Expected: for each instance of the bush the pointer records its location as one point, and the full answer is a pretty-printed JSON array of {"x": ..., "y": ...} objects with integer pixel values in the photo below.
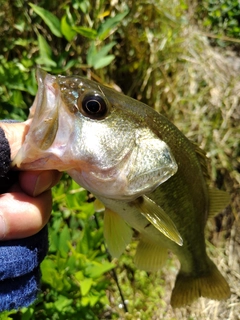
[{"x": 222, "y": 18}]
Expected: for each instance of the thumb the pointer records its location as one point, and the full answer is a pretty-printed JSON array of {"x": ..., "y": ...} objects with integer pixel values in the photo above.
[{"x": 15, "y": 133}]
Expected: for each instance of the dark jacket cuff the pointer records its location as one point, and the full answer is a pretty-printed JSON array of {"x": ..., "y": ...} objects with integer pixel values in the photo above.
[
  {"x": 19, "y": 259},
  {"x": 20, "y": 270}
]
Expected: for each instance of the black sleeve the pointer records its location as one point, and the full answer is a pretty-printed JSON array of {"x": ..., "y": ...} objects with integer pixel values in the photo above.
[
  {"x": 5, "y": 154},
  {"x": 7, "y": 178},
  {"x": 20, "y": 259}
]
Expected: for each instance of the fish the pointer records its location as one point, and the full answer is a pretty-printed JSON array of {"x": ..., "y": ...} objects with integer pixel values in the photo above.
[{"x": 146, "y": 174}]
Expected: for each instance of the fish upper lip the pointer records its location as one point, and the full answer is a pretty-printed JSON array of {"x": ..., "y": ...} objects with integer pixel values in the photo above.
[{"x": 41, "y": 75}]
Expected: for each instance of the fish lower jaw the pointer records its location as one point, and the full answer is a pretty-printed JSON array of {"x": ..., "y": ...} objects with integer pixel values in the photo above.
[
  {"x": 111, "y": 183},
  {"x": 43, "y": 163},
  {"x": 111, "y": 187}
]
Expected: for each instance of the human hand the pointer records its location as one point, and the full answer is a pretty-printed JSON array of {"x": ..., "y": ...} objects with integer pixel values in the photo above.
[{"x": 26, "y": 207}]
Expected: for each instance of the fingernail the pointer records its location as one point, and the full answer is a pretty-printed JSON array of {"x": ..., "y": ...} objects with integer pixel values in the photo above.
[
  {"x": 43, "y": 183},
  {"x": 3, "y": 228}
]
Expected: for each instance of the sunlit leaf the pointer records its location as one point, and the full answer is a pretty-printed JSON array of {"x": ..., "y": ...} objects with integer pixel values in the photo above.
[
  {"x": 50, "y": 19},
  {"x": 66, "y": 29},
  {"x": 85, "y": 285},
  {"x": 50, "y": 275},
  {"x": 109, "y": 24},
  {"x": 92, "y": 51},
  {"x": 62, "y": 303},
  {"x": 45, "y": 53},
  {"x": 44, "y": 48},
  {"x": 83, "y": 5},
  {"x": 99, "y": 59},
  {"x": 85, "y": 240},
  {"x": 99, "y": 269},
  {"x": 86, "y": 32},
  {"x": 64, "y": 238},
  {"x": 103, "y": 62},
  {"x": 104, "y": 50}
]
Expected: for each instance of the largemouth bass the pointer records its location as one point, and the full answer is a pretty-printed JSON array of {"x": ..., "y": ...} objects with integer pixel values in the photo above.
[{"x": 147, "y": 174}]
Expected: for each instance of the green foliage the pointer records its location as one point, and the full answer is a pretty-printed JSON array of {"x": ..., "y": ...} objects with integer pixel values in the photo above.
[
  {"x": 66, "y": 37},
  {"x": 50, "y": 19},
  {"x": 221, "y": 17},
  {"x": 77, "y": 262}
]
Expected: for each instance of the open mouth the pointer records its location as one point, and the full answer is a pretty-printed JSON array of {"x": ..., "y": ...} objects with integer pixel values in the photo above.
[{"x": 44, "y": 119}]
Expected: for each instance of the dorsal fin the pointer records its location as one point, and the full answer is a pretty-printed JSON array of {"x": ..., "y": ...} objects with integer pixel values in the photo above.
[{"x": 218, "y": 200}]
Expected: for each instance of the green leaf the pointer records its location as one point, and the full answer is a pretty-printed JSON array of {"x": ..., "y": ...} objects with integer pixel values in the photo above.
[
  {"x": 5, "y": 315},
  {"x": 109, "y": 24},
  {"x": 86, "y": 32},
  {"x": 83, "y": 5},
  {"x": 64, "y": 238},
  {"x": 95, "y": 271},
  {"x": 21, "y": 42},
  {"x": 62, "y": 302},
  {"x": 16, "y": 98},
  {"x": 93, "y": 300},
  {"x": 85, "y": 285},
  {"x": 27, "y": 313},
  {"x": 69, "y": 65},
  {"x": 50, "y": 19},
  {"x": 85, "y": 241},
  {"x": 103, "y": 62},
  {"x": 99, "y": 59},
  {"x": 79, "y": 276},
  {"x": 91, "y": 53},
  {"x": 104, "y": 50},
  {"x": 67, "y": 30},
  {"x": 45, "y": 50},
  {"x": 50, "y": 274}
]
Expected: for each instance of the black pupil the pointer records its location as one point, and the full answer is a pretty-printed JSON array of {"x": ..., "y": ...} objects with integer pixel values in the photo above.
[{"x": 94, "y": 106}]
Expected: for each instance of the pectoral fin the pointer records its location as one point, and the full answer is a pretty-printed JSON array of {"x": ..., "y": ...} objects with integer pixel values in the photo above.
[
  {"x": 98, "y": 206},
  {"x": 158, "y": 218},
  {"x": 116, "y": 232}
]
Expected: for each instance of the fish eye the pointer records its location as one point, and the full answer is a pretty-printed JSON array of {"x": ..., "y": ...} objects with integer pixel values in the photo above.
[{"x": 94, "y": 106}]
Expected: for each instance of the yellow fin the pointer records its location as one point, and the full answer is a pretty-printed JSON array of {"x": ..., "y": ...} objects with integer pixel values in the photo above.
[
  {"x": 150, "y": 256},
  {"x": 158, "y": 218},
  {"x": 218, "y": 200},
  {"x": 116, "y": 232},
  {"x": 189, "y": 288},
  {"x": 98, "y": 205}
]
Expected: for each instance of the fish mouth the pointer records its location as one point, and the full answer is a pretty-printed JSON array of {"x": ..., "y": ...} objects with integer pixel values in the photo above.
[
  {"x": 44, "y": 117},
  {"x": 45, "y": 110},
  {"x": 41, "y": 76}
]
